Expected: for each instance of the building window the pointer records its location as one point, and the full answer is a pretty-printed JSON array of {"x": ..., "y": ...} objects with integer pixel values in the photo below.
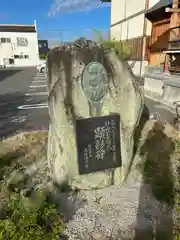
[
  {"x": 22, "y": 42},
  {"x": 21, "y": 56},
  {"x": 5, "y": 40},
  {"x": 11, "y": 61},
  {"x": 16, "y": 56}
]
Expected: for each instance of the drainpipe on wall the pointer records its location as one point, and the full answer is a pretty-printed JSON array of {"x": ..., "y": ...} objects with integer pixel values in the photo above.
[
  {"x": 144, "y": 37},
  {"x": 125, "y": 13}
]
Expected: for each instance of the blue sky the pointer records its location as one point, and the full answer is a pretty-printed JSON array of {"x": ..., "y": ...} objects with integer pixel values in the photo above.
[{"x": 58, "y": 19}]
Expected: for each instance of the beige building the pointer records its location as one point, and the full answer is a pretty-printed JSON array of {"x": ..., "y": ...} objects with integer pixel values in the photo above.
[{"x": 128, "y": 23}]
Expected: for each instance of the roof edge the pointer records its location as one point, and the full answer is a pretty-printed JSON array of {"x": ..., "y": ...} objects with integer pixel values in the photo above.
[{"x": 17, "y": 25}]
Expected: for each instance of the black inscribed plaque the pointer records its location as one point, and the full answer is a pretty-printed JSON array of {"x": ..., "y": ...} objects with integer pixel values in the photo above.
[{"x": 98, "y": 143}]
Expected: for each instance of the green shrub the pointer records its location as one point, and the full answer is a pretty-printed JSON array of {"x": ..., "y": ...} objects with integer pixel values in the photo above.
[
  {"x": 43, "y": 55},
  {"x": 123, "y": 48},
  {"x": 30, "y": 220}
]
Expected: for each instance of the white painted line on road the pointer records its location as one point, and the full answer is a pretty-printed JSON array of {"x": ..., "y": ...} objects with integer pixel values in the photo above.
[
  {"x": 40, "y": 73},
  {"x": 36, "y": 94},
  {"x": 40, "y": 76},
  {"x": 33, "y": 106},
  {"x": 38, "y": 86},
  {"x": 39, "y": 81},
  {"x": 18, "y": 119}
]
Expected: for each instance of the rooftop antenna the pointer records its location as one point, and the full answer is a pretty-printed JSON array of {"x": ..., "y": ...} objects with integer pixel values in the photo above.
[{"x": 35, "y": 24}]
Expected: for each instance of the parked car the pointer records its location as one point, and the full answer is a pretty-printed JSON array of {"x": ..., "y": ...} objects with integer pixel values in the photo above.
[
  {"x": 41, "y": 67},
  {"x": 2, "y": 65}
]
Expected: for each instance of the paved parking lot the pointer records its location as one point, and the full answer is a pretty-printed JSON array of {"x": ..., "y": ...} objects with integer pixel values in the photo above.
[{"x": 23, "y": 101}]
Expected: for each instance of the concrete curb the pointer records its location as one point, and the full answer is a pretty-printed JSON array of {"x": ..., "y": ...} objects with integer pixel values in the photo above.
[
  {"x": 168, "y": 106},
  {"x": 156, "y": 97}
]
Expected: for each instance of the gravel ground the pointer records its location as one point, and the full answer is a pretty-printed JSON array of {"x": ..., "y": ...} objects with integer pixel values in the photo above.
[
  {"x": 124, "y": 212},
  {"x": 114, "y": 213}
]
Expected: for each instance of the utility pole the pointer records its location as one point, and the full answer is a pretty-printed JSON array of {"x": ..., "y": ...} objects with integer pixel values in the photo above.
[{"x": 174, "y": 20}]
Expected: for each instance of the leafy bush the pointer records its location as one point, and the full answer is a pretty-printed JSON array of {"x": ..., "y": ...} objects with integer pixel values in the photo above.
[
  {"x": 27, "y": 220},
  {"x": 123, "y": 48},
  {"x": 43, "y": 55}
]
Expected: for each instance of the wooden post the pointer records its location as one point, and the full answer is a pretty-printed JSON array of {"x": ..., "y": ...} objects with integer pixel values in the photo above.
[
  {"x": 175, "y": 19},
  {"x": 166, "y": 64},
  {"x": 174, "y": 22}
]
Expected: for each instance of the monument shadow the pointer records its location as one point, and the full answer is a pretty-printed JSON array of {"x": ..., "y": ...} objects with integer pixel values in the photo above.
[
  {"x": 144, "y": 118},
  {"x": 156, "y": 200},
  {"x": 5, "y": 73}
]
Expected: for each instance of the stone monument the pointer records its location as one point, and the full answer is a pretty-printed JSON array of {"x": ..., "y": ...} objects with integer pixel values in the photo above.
[{"x": 94, "y": 107}]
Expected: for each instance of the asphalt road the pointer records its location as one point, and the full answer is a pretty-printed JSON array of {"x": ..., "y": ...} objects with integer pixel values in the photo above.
[
  {"x": 23, "y": 102},
  {"x": 165, "y": 112},
  {"x": 23, "y": 94}
]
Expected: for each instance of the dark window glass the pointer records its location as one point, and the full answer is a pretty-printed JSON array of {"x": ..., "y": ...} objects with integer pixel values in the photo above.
[
  {"x": 22, "y": 42},
  {"x": 3, "y": 40}
]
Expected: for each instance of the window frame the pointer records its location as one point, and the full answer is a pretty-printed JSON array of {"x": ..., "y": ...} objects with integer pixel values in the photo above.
[
  {"x": 22, "y": 40},
  {"x": 5, "y": 40}
]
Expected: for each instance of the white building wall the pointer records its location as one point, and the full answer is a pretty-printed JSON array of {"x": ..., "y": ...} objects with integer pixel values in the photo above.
[
  {"x": 127, "y": 22},
  {"x": 134, "y": 6},
  {"x": 8, "y": 50},
  {"x": 152, "y": 3},
  {"x": 120, "y": 10},
  {"x": 117, "y": 11},
  {"x": 136, "y": 25}
]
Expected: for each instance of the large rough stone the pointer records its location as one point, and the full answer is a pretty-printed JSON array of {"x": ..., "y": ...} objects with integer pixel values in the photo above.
[{"x": 67, "y": 102}]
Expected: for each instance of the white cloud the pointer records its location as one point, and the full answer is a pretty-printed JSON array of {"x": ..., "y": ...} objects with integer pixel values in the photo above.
[{"x": 67, "y": 6}]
